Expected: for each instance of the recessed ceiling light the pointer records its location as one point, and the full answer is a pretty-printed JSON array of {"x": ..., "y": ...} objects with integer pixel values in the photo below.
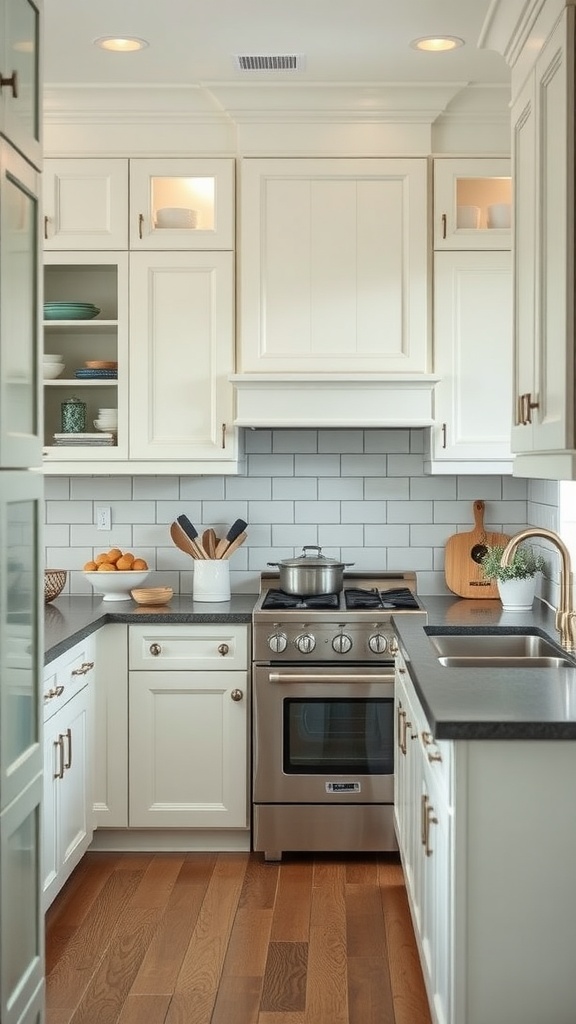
[
  {"x": 127, "y": 44},
  {"x": 436, "y": 44}
]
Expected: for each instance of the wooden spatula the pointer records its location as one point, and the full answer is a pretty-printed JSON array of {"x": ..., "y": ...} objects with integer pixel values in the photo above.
[
  {"x": 463, "y": 555},
  {"x": 235, "y": 545},
  {"x": 238, "y": 526}
]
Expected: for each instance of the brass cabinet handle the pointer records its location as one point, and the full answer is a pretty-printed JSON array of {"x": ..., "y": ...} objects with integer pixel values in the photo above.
[
  {"x": 85, "y": 667},
  {"x": 423, "y": 819},
  {"x": 402, "y": 730},
  {"x": 223, "y": 649},
  {"x": 237, "y": 695},
  {"x": 155, "y": 650},
  {"x": 524, "y": 405},
  {"x": 54, "y": 691},
  {"x": 444, "y": 223},
  {"x": 68, "y": 736},
  {"x": 223, "y": 435},
  {"x": 140, "y": 225},
  {"x": 45, "y": 228},
  {"x": 443, "y": 435},
  {"x": 429, "y": 819},
  {"x": 60, "y": 744},
  {"x": 11, "y": 82},
  {"x": 529, "y": 406}
]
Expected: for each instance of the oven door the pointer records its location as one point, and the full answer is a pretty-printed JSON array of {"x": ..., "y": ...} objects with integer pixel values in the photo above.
[{"x": 323, "y": 734}]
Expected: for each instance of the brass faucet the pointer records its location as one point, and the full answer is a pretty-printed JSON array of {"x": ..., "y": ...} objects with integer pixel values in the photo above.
[{"x": 565, "y": 614}]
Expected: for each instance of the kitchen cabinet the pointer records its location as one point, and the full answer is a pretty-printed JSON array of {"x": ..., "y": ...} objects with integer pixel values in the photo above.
[
  {"x": 68, "y": 754},
  {"x": 474, "y": 820},
  {"x": 182, "y": 204},
  {"x": 472, "y": 198},
  {"x": 181, "y": 354},
  {"x": 20, "y": 298},
  {"x": 102, "y": 279},
  {"x": 423, "y": 819},
  {"x": 85, "y": 204},
  {"x": 188, "y": 726},
  {"x": 20, "y": 100},
  {"x": 21, "y": 922},
  {"x": 110, "y": 765},
  {"x": 334, "y": 266},
  {"x": 473, "y": 361},
  {"x": 544, "y": 433},
  {"x": 168, "y": 317}
]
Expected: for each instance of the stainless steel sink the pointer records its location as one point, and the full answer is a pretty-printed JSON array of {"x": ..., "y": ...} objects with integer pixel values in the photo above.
[{"x": 486, "y": 650}]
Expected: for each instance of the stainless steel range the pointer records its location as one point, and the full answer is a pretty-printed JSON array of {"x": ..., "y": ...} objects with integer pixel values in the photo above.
[{"x": 323, "y": 750}]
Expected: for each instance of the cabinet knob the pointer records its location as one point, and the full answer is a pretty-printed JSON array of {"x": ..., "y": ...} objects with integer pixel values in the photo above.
[
  {"x": 223, "y": 649},
  {"x": 155, "y": 650},
  {"x": 237, "y": 695},
  {"x": 11, "y": 82}
]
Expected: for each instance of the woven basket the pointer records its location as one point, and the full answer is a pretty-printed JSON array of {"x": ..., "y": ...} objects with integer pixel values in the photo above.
[{"x": 54, "y": 583}]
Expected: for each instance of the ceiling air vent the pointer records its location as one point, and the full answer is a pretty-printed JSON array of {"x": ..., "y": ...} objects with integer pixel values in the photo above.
[{"x": 269, "y": 62}]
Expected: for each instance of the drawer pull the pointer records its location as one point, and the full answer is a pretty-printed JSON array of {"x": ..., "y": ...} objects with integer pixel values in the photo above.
[
  {"x": 155, "y": 650},
  {"x": 428, "y": 740},
  {"x": 237, "y": 695},
  {"x": 223, "y": 649},
  {"x": 54, "y": 691},
  {"x": 85, "y": 667},
  {"x": 140, "y": 225}
]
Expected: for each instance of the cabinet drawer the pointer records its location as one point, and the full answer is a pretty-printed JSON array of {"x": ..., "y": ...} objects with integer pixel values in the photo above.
[
  {"x": 66, "y": 676},
  {"x": 188, "y": 647}
]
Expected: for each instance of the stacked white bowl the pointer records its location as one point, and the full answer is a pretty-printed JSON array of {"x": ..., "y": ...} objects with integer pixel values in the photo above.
[{"x": 52, "y": 366}]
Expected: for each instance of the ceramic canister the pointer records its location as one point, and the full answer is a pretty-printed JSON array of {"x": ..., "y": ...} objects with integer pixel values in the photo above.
[{"x": 73, "y": 416}]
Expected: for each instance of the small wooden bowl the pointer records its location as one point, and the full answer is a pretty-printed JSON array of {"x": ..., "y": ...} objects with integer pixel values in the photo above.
[
  {"x": 100, "y": 364},
  {"x": 152, "y": 595}
]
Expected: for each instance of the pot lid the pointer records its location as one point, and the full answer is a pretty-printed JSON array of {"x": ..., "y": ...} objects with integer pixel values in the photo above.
[{"x": 310, "y": 561}]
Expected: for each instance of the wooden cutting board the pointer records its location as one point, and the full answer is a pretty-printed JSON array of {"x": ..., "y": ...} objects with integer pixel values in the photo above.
[{"x": 463, "y": 553}]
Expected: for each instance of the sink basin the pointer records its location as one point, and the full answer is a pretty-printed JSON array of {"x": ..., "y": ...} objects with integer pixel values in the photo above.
[{"x": 486, "y": 650}]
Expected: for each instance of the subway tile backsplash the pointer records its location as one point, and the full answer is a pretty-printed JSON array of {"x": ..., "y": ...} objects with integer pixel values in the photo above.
[{"x": 360, "y": 494}]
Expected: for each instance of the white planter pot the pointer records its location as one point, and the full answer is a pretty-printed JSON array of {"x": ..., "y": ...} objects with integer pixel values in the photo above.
[{"x": 517, "y": 595}]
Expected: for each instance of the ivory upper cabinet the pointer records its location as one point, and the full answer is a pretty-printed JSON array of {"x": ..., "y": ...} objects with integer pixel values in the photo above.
[
  {"x": 85, "y": 204},
  {"x": 334, "y": 266},
  {"x": 544, "y": 434},
  {"x": 20, "y": 106},
  {"x": 182, "y": 204},
  {"x": 472, "y": 204}
]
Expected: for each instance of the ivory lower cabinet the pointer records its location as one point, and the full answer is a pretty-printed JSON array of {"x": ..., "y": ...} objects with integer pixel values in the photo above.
[
  {"x": 487, "y": 833},
  {"x": 188, "y": 726}
]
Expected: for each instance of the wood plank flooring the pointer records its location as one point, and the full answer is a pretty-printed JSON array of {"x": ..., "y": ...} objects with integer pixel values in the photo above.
[{"x": 230, "y": 939}]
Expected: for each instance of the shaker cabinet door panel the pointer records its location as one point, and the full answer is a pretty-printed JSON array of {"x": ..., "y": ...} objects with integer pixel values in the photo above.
[
  {"x": 181, "y": 355},
  {"x": 85, "y": 204},
  {"x": 334, "y": 266}
]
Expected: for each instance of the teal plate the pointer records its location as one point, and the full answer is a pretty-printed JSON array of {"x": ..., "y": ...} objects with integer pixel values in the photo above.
[{"x": 67, "y": 313}]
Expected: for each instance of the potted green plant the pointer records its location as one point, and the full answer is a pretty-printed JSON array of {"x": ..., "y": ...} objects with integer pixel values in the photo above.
[{"x": 517, "y": 581}]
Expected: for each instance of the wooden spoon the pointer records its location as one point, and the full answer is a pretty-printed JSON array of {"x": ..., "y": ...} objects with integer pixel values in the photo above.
[
  {"x": 210, "y": 542},
  {"x": 183, "y": 542}
]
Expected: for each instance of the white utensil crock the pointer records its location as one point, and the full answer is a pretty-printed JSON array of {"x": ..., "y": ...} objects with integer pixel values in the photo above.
[{"x": 211, "y": 581}]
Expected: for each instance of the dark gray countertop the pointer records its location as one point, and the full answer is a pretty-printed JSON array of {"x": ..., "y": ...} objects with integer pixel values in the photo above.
[
  {"x": 480, "y": 703},
  {"x": 459, "y": 703},
  {"x": 70, "y": 619}
]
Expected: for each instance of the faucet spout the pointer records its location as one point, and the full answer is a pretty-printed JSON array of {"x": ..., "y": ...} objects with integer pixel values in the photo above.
[{"x": 565, "y": 615}]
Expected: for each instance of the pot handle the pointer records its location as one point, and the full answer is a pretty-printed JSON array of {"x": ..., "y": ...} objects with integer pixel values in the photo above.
[
  {"x": 276, "y": 564},
  {"x": 312, "y": 547}
]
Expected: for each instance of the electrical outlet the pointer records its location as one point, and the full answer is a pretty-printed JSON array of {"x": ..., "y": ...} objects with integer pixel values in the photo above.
[{"x": 103, "y": 518}]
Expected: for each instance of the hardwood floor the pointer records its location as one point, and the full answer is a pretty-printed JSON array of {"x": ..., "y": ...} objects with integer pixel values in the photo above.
[{"x": 229, "y": 939}]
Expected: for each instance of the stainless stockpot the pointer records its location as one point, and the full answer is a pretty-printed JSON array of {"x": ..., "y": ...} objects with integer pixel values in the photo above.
[{"x": 309, "y": 575}]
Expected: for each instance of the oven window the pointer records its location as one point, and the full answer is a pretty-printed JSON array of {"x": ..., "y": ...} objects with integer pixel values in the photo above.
[{"x": 342, "y": 736}]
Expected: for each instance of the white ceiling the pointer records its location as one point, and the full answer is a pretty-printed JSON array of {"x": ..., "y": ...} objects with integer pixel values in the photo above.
[{"x": 193, "y": 42}]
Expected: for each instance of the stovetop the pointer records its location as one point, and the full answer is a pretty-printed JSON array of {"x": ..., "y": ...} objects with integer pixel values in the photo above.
[{"x": 352, "y": 626}]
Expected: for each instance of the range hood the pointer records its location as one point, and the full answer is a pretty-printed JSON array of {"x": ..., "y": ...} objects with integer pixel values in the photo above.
[{"x": 333, "y": 400}]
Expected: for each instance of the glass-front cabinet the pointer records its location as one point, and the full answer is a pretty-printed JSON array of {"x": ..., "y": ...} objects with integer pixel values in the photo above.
[
  {"x": 20, "y": 115},
  {"x": 472, "y": 203},
  {"x": 20, "y": 290},
  {"x": 182, "y": 204}
]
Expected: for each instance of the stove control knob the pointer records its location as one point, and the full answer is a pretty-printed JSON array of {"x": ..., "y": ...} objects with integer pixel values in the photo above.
[
  {"x": 305, "y": 643},
  {"x": 377, "y": 643},
  {"x": 278, "y": 642},
  {"x": 342, "y": 643}
]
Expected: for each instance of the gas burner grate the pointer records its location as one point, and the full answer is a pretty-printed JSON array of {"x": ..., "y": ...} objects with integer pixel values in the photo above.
[
  {"x": 279, "y": 599},
  {"x": 398, "y": 598}
]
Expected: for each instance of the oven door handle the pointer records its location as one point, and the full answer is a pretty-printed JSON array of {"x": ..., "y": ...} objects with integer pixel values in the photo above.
[{"x": 329, "y": 677}]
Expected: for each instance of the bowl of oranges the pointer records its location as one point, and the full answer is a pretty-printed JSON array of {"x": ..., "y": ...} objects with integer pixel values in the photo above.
[{"x": 114, "y": 573}]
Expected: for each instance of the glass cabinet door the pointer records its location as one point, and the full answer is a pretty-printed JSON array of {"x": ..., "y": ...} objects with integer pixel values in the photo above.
[
  {"x": 21, "y": 631},
  {"x": 20, "y": 97},
  {"x": 472, "y": 204},
  {"x": 182, "y": 204},
  {"x": 20, "y": 398}
]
